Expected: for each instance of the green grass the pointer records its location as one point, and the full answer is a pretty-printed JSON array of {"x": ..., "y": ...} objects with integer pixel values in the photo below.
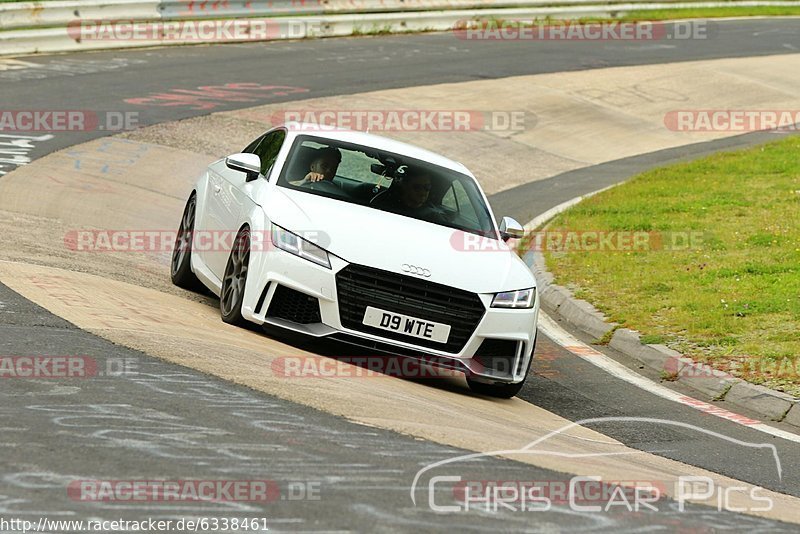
[
  {"x": 732, "y": 299},
  {"x": 375, "y": 29},
  {"x": 663, "y": 14},
  {"x": 712, "y": 12}
]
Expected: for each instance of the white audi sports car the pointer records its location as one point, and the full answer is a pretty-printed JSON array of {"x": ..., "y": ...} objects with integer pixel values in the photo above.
[{"x": 366, "y": 240}]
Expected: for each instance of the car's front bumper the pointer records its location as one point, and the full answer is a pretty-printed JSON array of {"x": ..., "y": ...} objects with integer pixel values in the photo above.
[{"x": 514, "y": 329}]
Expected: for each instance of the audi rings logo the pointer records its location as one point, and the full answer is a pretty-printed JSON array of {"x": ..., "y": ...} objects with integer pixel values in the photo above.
[{"x": 413, "y": 269}]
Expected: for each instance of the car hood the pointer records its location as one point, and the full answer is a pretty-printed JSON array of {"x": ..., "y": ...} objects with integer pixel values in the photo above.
[{"x": 366, "y": 236}]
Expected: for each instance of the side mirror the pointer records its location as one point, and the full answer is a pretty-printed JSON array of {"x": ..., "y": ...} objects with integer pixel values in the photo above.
[
  {"x": 510, "y": 228},
  {"x": 250, "y": 164}
]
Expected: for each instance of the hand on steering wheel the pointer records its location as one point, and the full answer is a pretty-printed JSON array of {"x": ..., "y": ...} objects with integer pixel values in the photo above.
[{"x": 313, "y": 177}]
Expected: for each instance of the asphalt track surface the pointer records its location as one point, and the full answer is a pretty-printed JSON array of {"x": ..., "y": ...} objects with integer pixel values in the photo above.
[{"x": 170, "y": 422}]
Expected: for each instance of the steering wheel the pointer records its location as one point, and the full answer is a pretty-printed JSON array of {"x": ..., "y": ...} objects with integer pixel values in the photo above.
[{"x": 326, "y": 186}]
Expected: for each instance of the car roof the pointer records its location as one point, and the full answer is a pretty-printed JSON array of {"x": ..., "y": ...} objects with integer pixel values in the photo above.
[{"x": 374, "y": 141}]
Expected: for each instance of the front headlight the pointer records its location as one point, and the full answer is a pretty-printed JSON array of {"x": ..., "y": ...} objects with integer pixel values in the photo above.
[
  {"x": 524, "y": 298},
  {"x": 294, "y": 244}
]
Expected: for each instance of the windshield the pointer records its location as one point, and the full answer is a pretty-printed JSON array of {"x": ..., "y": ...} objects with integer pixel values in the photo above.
[{"x": 388, "y": 182}]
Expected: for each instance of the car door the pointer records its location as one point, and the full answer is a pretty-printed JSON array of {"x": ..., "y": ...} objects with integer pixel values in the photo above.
[
  {"x": 232, "y": 195},
  {"x": 222, "y": 213}
]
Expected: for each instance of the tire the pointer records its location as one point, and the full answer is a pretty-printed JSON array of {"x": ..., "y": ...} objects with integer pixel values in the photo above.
[
  {"x": 181, "y": 263},
  {"x": 231, "y": 296}
]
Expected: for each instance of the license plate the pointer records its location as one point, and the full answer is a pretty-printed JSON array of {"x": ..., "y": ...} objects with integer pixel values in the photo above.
[{"x": 405, "y": 324}]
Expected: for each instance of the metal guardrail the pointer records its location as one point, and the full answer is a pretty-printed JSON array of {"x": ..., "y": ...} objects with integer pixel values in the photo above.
[
  {"x": 15, "y": 15},
  {"x": 56, "y": 26}
]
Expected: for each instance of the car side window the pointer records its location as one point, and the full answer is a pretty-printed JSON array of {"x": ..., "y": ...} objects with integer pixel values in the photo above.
[
  {"x": 251, "y": 148},
  {"x": 457, "y": 200},
  {"x": 449, "y": 199},
  {"x": 268, "y": 149}
]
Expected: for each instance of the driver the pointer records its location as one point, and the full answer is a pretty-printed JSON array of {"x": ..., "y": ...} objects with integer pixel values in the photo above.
[
  {"x": 415, "y": 188},
  {"x": 323, "y": 166},
  {"x": 409, "y": 195}
]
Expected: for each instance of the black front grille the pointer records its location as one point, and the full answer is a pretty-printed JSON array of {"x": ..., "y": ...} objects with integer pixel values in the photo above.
[
  {"x": 358, "y": 287},
  {"x": 497, "y": 356},
  {"x": 294, "y": 306}
]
